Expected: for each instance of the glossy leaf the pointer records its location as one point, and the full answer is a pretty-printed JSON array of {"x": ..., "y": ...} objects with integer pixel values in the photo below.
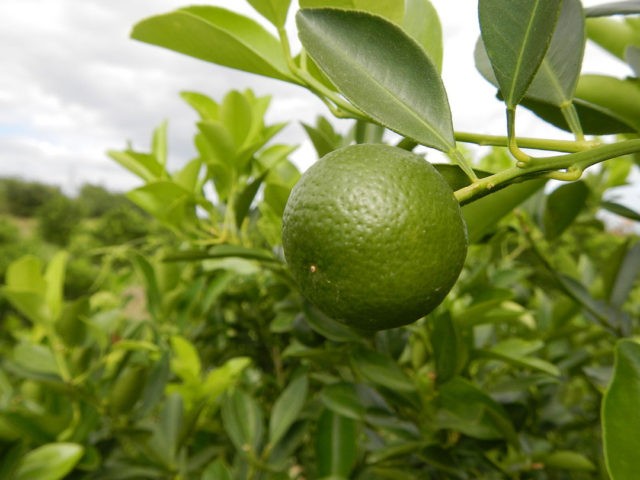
[
  {"x": 517, "y": 352},
  {"x": 421, "y": 22},
  {"x": 391, "y": 9},
  {"x": 563, "y": 206},
  {"x": 482, "y": 215},
  {"x": 556, "y": 79},
  {"x": 273, "y": 10},
  {"x": 568, "y": 460},
  {"x": 328, "y": 327},
  {"x": 381, "y": 370},
  {"x": 287, "y": 407},
  {"x": 336, "y": 445},
  {"x": 53, "y": 461},
  {"x": 216, "y": 35},
  {"x": 628, "y": 7},
  {"x": 517, "y": 44},
  {"x": 621, "y": 415},
  {"x": 393, "y": 81}
]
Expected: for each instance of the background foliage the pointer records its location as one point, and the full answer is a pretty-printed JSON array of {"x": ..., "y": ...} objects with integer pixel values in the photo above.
[{"x": 166, "y": 340}]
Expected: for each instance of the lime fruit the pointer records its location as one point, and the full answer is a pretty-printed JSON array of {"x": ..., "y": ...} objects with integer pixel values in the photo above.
[{"x": 373, "y": 235}]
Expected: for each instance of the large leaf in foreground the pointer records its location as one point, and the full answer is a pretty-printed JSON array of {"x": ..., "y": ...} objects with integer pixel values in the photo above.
[
  {"x": 621, "y": 415},
  {"x": 518, "y": 42},
  {"x": 216, "y": 35},
  {"x": 382, "y": 71}
]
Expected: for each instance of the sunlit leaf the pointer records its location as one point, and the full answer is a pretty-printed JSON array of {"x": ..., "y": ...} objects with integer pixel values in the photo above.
[{"x": 393, "y": 81}]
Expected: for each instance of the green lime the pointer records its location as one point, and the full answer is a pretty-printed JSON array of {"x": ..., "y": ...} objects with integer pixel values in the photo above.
[{"x": 374, "y": 237}]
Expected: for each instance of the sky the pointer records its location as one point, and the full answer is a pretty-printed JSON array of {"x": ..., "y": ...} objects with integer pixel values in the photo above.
[{"x": 74, "y": 85}]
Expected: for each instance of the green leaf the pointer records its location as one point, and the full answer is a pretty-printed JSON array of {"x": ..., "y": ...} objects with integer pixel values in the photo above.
[
  {"x": 467, "y": 409},
  {"x": 381, "y": 370},
  {"x": 517, "y": 43},
  {"x": 612, "y": 35},
  {"x": 567, "y": 460},
  {"x": 168, "y": 201},
  {"x": 144, "y": 165},
  {"x": 327, "y": 327},
  {"x": 449, "y": 350},
  {"x": 223, "y": 251},
  {"x": 390, "y": 9},
  {"x": 54, "y": 277},
  {"x": 185, "y": 361},
  {"x": 342, "y": 398},
  {"x": 217, "y": 470},
  {"x": 273, "y": 10},
  {"x": 52, "y": 461},
  {"x": 622, "y": 97},
  {"x": 557, "y": 77},
  {"x": 394, "y": 81},
  {"x": 207, "y": 108},
  {"x": 516, "y": 351},
  {"x": 628, "y": 7},
  {"x": 287, "y": 407},
  {"x": 336, "y": 445},
  {"x": 159, "y": 144},
  {"x": 626, "y": 277},
  {"x": 221, "y": 379},
  {"x": 244, "y": 199},
  {"x": 421, "y": 22},
  {"x": 25, "y": 274},
  {"x": 219, "y": 36},
  {"x": 323, "y": 136},
  {"x": 152, "y": 290},
  {"x": 35, "y": 358},
  {"x": 243, "y": 420},
  {"x": 621, "y": 210},
  {"x": 621, "y": 415},
  {"x": 482, "y": 215},
  {"x": 563, "y": 206}
]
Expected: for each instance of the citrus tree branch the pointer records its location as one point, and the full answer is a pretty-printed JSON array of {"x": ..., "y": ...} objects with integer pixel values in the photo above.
[
  {"x": 561, "y": 167},
  {"x": 568, "y": 146}
]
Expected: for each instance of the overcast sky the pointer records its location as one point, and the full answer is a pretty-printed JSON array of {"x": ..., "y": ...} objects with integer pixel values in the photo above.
[{"x": 73, "y": 85}]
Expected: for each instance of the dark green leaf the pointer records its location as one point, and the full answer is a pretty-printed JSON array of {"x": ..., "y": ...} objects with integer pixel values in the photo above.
[
  {"x": 243, "y": 420},
  {"x": 216, "y": 35},
  {"x": 563, "y": 206},
  {"x": 287, "y": 407},
  {"x": 628, "y": 7},
  {"x": 627, "y": 276},
  {"x": 148, "y": 274},
  {"x": 467, "y": 409},
  {"x": 323, "y": 137},
  {"x": 381, "y": 370},
  {"x": 594, "y": 119},
  {"x": 621, "y": 415},
  {"x": 342, "y": 398},
  {"x": 621, "y": 210},
  {"x": 336, "y": 445},
  {"x": 327, "y": 327},
  {"x": 393, "y": 81},
  {"x": 449, "y": 350},
  {"x": 50, "y": 462},
  {"x": 482, "y": 215},
  {"x": 244, "y": 200},
  {"x": 517, "y": 43}
]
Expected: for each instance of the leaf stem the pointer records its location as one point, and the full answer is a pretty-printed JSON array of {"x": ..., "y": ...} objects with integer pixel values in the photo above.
[
  {"x": 568, "y": 146},
  {"x": 519, "y": 155}
]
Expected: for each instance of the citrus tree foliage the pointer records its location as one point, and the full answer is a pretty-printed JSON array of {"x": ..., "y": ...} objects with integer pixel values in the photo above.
[{"x": 209, "y": 364}]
